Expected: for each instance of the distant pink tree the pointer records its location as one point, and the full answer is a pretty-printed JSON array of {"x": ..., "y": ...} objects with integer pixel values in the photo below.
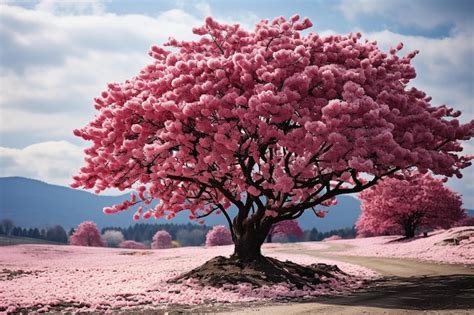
[
  {"x": 87, "y": 234},
  {"x": 273, "y": 120},
  {"x": 466, "y": 221},
  {"x": 132, "y": 245},
  {"x": 219, "y": 235},
  {"x": 287, "y": 228},
  {"x": 162, "y": 239},
  {"x": 404, "y": 205}
]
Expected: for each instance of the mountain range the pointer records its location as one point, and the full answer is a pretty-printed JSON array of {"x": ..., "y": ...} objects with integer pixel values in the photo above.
[{"x": 33, "y": 203}]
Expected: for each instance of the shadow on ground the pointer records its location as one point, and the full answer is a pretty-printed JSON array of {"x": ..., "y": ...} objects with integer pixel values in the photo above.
[{"x": 455, "y": 292}]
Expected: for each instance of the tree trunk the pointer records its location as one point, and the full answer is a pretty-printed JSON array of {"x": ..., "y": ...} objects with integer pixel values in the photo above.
[
  {"x": 248, "y": 243},
  {"x": 409, "y": 231}
]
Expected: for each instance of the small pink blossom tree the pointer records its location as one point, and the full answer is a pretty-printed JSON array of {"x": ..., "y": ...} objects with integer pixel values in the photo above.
[
  {"x": 269, "y": 120},
  {"x": 218, "y": 235},
  {"x": 287, "y": 228},
  {"x": 466, "y": 221},
  {"x": 404, "y": 205},
  {"x": 132, "y": 245},
  {"x": 161, "y": 240},
  {"x": 87, "y": 234}
]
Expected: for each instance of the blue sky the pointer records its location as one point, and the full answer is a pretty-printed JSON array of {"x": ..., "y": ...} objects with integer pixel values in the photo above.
[{"x": 56, "y": 56}]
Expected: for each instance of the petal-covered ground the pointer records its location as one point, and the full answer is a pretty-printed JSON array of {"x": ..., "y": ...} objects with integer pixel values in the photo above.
[
  {"x": 455, "y": 246},
  {"x": 70, "y": 278}
]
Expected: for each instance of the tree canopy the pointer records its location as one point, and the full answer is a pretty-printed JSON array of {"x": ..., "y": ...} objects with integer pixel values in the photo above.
[
  {"x": 270, "y": 120},
  {"x": 395, "y": 206}
]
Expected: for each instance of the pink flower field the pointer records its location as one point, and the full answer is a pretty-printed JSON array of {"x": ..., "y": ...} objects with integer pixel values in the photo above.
[
  {"x": 71, "y": 278},
  {"x": 455, "y": 246}
]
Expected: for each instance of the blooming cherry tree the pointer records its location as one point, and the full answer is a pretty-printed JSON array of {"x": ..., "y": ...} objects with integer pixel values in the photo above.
[
  {"x": 162, "y": 239},
  {"x": 218, "y": 235},
  {"x": 87, "y": 234},
  {"x": 404, "y": 205},
  {"x": 269, "y": 120},
  {"x": 288, "y": 228}
]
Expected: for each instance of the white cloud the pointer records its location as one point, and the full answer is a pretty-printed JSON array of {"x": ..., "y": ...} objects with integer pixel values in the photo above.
[
  {"x": 54, "y": 63},
  {"x": 70, "y": 87},
  {"x": 94, "y": 7},
  {"x": 204, "y": 8},
  {"x": 422, "y": 14},
  {"x": 59, "y": 63},
  {"x": 53, "y": 161},
  {"x": 14, "y": 120},
  {"x": 352, "y": 9}
]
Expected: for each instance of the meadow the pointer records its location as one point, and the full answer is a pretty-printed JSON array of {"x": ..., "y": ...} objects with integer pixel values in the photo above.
[{"x": 52, "y": 278}]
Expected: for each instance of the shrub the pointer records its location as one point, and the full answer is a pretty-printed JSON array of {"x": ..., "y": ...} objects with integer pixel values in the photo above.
[
  {"x": 161, "y": 240},
  {"x": 113, "y": 238},
  {"x": 219, "y": 235}
]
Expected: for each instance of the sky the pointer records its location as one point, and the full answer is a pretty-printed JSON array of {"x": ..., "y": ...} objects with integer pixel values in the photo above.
[{"x": 56, "y": 56}]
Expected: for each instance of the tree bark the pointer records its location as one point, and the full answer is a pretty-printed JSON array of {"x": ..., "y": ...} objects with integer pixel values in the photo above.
[
  {"x": 247, "y": 251},
  {"x": 409, "y": 230},
  {"x": 248, "y": 242}
]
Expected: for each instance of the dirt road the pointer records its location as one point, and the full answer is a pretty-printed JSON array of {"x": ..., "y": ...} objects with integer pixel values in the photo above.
[{"x": 408, "y": 286}]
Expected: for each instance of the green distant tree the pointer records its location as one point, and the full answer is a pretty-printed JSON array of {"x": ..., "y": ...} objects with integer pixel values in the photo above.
[
  {"x": 16, "y": 231},
  {"x": 7, "y": 226},
  {"x": 56, "y": 234},
  {"x": 313, "y": 235},
  {"x": 36, "y": 233}
]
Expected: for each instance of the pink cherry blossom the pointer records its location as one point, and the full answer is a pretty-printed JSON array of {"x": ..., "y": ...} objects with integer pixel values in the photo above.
[
  {"x": 161, "y": 239},
  {"x": 416, "y": 201},
  {"x": 218, "y": 235},
  {"x": 268, "y": 119},
  {"x": 287, "y": 228},
  {"x": 87, "y": 234}
]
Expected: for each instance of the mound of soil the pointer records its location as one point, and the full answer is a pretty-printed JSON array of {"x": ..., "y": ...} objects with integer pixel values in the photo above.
[
  {"x": 263, "y": 271},
  {"x": 458, "y": 237}
]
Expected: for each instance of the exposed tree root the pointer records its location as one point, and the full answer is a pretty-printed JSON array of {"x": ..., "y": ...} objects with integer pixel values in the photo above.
[{"x": 263, "y": 271}]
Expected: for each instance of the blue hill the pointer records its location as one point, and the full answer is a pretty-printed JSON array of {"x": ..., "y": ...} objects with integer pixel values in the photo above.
[{"x": 32, "y": 203}]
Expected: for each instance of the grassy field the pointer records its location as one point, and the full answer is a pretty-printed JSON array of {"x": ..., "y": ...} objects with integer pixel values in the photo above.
[{"x": 16, "y": 240}]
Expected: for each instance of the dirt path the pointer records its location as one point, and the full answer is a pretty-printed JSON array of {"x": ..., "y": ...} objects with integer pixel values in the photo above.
[{"x": 408, "y": 286}]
